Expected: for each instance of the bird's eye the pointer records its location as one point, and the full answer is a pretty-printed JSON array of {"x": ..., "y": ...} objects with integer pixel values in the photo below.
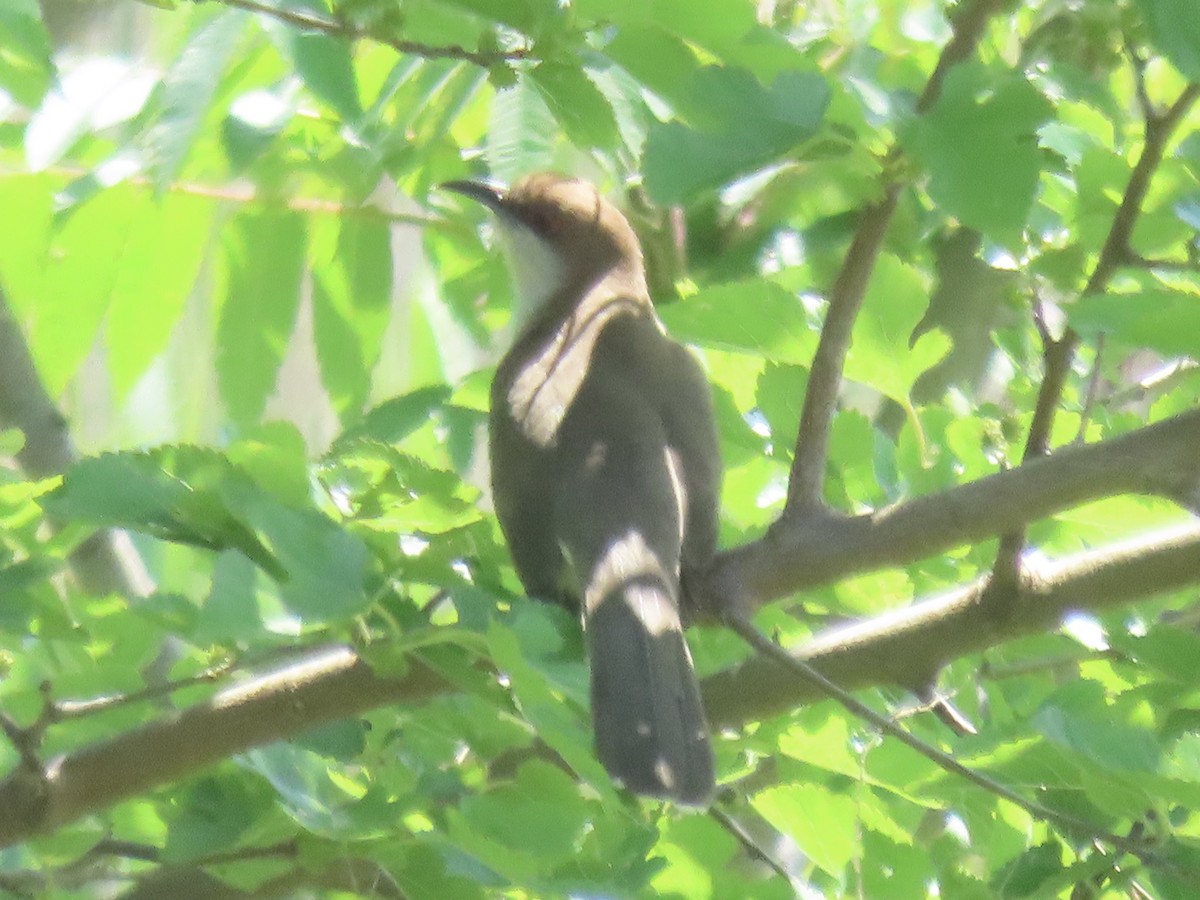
[{"x": 543, "y": 221}]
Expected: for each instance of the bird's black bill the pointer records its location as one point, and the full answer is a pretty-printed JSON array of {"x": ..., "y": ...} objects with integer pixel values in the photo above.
[{"x": 491, "y": 197}]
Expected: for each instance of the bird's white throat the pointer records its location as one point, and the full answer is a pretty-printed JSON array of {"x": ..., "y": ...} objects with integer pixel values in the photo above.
[{"x": 537, "y": 270}]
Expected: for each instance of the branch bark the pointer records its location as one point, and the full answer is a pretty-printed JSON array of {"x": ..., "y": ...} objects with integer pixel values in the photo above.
[
  {"x": 807, "y": 480},
  {"x": 806, "y": 550},
  {"x": 328, "y": 687},
  {"x": 1117, "y": 251},
  {"x": 340, "y": 28},
  {"x": 106, "y": 562},
  {"x": 906, "y": 647}
]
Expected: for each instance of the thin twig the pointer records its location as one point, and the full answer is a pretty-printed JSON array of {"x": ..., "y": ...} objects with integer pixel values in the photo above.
[
  {"x": 1137, "y": 261},
  {"x": 767, "y": 648},
  {"x": 246, "y": 195},
  {"x": 22, "y": 741},
  {"x": 74, "y": 709},
  {"x": 990, "y": 671},
  {"x": 1059, "y": 355},
  {"x": 1116, "y": 250},
  {"x": 1093, "y": 390},
  {"x": 1138, "y": 63},
  {"x": 933, "y": 701},
  {"x": 353, "y": 32},
  {"x": 749, "y": 844}
]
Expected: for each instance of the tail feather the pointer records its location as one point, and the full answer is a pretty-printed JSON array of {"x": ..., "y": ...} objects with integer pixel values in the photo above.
[{"x": 650, "y": 728}]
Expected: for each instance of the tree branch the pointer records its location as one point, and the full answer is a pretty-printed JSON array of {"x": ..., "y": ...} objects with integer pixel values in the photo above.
[
  {"x": 810, "y": 677},
  {"x": 323, "y": 688},
  {"x": 340, "y": 28},
  {"x": 807, "y": 551},
  {"x": 902, "y": 647},
  {"x": 1117, "y": 250},
  {"x": 897, "y": 648},
  {"x": 106, "y": 562},
  {"x": 807, "y": 479}
]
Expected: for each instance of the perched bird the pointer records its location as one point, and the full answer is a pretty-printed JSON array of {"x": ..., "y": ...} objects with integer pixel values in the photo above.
[{"x": 605, "y": 471}]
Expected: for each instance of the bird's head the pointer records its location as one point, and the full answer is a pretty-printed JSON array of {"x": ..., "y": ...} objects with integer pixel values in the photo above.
[{"x": 560, "y": 238}]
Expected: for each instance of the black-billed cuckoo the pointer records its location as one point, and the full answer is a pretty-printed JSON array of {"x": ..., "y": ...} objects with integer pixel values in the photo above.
[{"x": 605, "y": 471}]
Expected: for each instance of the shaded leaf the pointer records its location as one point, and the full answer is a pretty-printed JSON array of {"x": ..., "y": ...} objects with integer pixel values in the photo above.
[
  {"x": 1175, "y": 28},
  {"x": 264, "y": 259},
  {"x": 577, "y": 104},
  {"x": 754, "y": 316},
  {"x": 740, "y": 127},
  {"x": 1166, "y": 321},
  {"x": 352, "y": 294},
  {"x": 187, "y": 92},
  {"x": 979, "y": 146}
]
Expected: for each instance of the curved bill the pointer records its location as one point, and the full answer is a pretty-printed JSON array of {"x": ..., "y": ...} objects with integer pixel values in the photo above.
[{"x": 489, "y": 196}]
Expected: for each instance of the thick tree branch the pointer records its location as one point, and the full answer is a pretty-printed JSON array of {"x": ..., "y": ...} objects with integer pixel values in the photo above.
[
  {"x": 807, "y": 480},
  {"x": 810, "y": 550},
  {"x": 328, "y": 687},
  {"x": 905, "y": 647},
  {"x": 900, "y": 648},
  {"x": 806, "y": 483}
]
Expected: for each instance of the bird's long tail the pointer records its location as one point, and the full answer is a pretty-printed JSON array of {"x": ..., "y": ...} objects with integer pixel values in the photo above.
[{"x": 650, "y": 728}]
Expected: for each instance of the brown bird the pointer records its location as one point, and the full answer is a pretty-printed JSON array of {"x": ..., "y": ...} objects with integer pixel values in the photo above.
[{"x": 605, "y": 471}]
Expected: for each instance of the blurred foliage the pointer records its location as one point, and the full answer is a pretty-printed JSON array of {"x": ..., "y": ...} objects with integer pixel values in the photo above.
[{"x": 273, "y": 336}]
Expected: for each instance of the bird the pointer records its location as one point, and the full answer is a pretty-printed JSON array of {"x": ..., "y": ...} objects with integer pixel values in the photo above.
[{"x": 606, "y": 471}]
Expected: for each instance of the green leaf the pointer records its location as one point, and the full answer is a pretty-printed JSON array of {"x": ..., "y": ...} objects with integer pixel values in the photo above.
[
  {"x": 979, "y": 146},
  {"x": 324, "y": 62},
  {"x": 715, "y": 25},
  {"x": 540, "y": 814},
  {"x": 157, "y": 274},
  {"x": 577, "y": 104},
  {"x": 657, "y": 59},
  {"x": 520, "y": 134},
  {"x": 326, "y": 566},
  {"x": 393, "y": 420},
  {"x": 754, "y": 316},
  {"x": 80, "y": 274},
  {"x": 739, "y": 127},
  {"x": 187, "y": 92},
  {"x": 118, "y": 489},
  {"x": 822, "y": 823},
  {"x": 25, "y": 64},
  {"x": 24, "y": 239},
  {"x": 537, "y": 686},
  {"x": 352, "y": 295},
  {"x": 524, "y": 15},
  {"x": 1108, "y": 743},
  {"x": 230, "y": 613},
  {"x": 1023, "y": 876},
  {"x": 309, "y": 793},
  {"x": 880, "y": 355},
  {"x": 195, "y": 496},
  {"x": 1173, "y": 651},
  {"x": 136, "y": 491},
  {"x": 212, "y": 815},
  {"x": 264, "y": 260},
  {"x": 275, "y": 457},
  {"x": 1175, "y": 28},
  {"x": 1166, "y": 321}
]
